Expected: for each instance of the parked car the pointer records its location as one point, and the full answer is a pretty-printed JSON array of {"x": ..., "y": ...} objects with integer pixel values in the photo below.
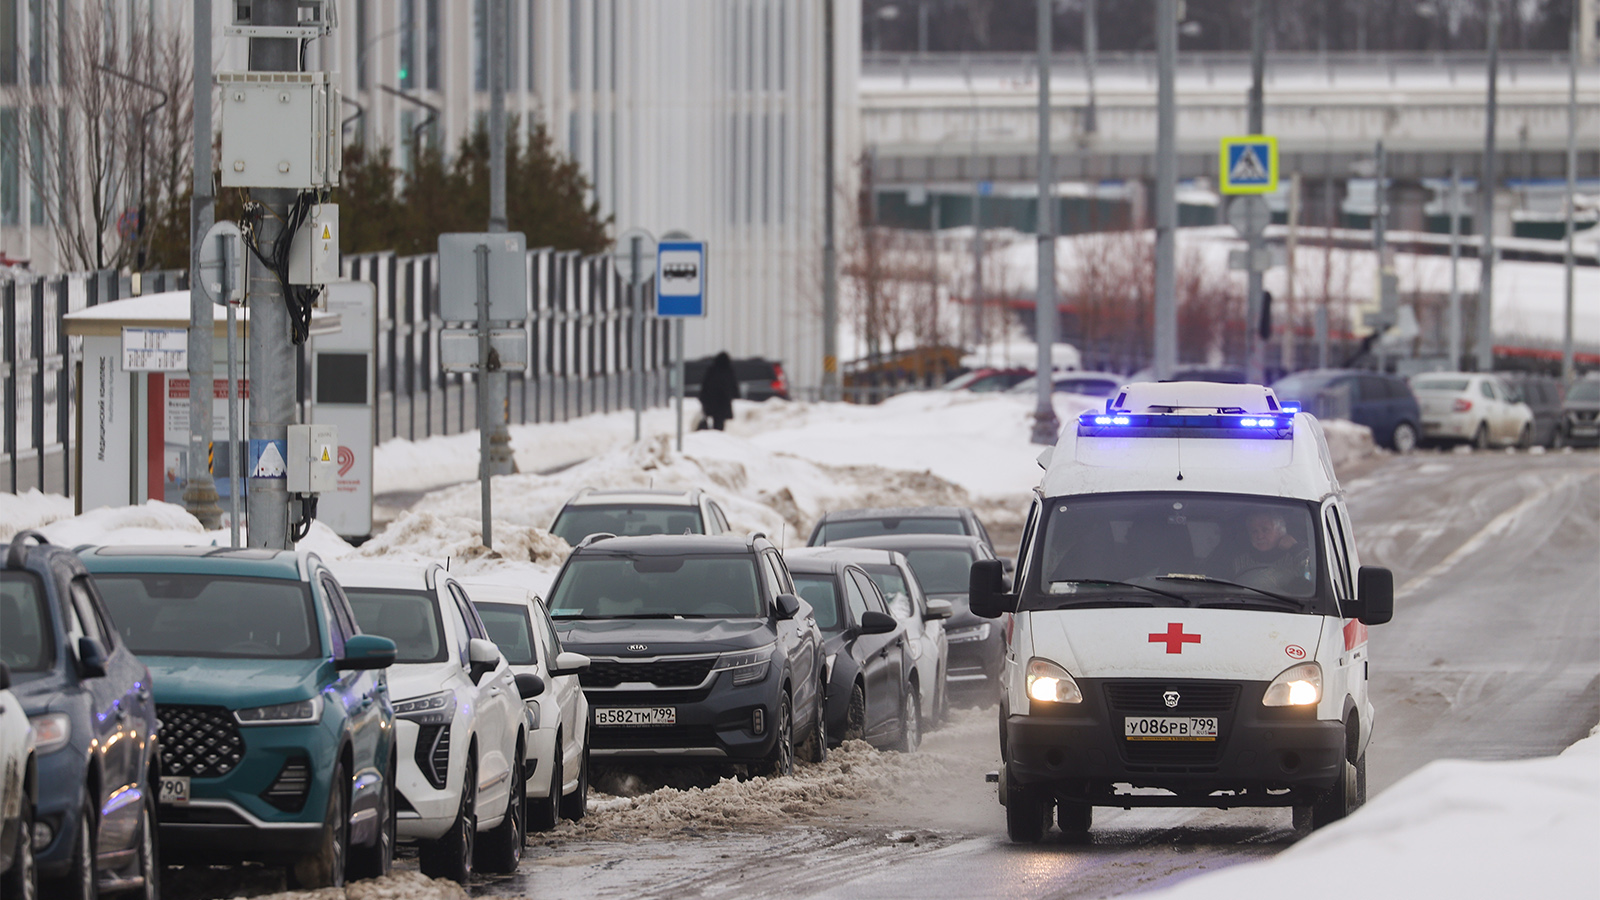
[
  {"x": 1383, "y": 403},
  {"x": 942, "y": 563},
  {"x": 88, "y": 700},
  {"x": 923, "y": 619},
  {"x": 276, "y": 732},
  {"x": 19, "y": 786},
  {"x": 759, "y": 378},
  {"x": 460, "y": 724},
  {"x": 843, "y": 524},
  {"x": 1088, "y": 384},
  {"x": 557, "y": 761},
  {"x": 1579, "y": 410},
  {"x": 638, "y": 511},
  {"x": 1471, "y": 407},
  {"x": 874, "y": 688},
  {"x": 699, "y": 647},
  {"x": 1543, "y": 395},
  {"x": 987, "y": 380}
]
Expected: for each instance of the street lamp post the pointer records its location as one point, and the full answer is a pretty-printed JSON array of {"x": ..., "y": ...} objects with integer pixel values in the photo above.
[
  {"x": 1046, "y": 428},
  {"x": 144, "y": 130}
]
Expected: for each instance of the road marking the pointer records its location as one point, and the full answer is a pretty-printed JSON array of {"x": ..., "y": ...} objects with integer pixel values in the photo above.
[{"x": 1490, "y": 530}]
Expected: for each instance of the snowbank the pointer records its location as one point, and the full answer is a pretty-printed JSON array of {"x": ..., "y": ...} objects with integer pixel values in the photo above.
[
  {"x": 19, "y": 512},
  {"x": 1348, "y": 442},
  {"x": 401, "y": 885},
  {"x": 1451, "y": 829}
]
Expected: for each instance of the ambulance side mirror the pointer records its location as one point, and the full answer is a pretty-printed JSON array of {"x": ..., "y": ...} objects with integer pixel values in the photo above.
[
  {"x": 1375, "y": 595},
  {"x": 986, "y": 589}
]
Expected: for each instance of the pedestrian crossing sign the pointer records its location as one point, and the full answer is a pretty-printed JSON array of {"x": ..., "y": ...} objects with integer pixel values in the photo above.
[{"x": 1249, "y": 164}]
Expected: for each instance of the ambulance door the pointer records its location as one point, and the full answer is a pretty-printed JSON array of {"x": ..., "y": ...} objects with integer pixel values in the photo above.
[{"x": 1344, "y": 663}]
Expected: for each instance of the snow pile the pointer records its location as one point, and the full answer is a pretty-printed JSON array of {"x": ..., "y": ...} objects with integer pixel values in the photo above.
[
  {"x": 523, "y": 555},
  {"x": 401, "y": 885},
  {"x": 19, "y": 512},
  {"x": 1453, "y": 828},
  {"x": 154, "y": 522},
  {"x": 1347, "y": 441}
]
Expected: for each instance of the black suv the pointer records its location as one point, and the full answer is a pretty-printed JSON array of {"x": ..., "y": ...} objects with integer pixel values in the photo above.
[
  {"x": 94, "y": 722},
  {"x": 698, "y": 647},
  {"x": 1580, "y": 412}
]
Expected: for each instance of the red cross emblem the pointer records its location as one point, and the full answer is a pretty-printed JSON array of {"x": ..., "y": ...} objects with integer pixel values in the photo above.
[{"x": 1174, "y": 637}]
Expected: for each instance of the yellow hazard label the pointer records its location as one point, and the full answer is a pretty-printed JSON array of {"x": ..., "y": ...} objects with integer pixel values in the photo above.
[
  {"x": 327, "y": 233},
  {"x": 325, "y": 456},
  {"x": 830, "y": 363}
]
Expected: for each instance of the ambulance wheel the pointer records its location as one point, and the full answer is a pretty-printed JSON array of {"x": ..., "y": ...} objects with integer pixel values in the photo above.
[
  {"x": 1344, "y": 798},
  {"x": 1074, "y": 818},
  {"x": 1027, "y": 813}
]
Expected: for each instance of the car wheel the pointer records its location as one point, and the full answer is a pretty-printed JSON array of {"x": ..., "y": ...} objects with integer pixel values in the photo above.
[
  {"x": 1480, "y": 438},
  {"x": 1339, "y": 801},
  {"x": 149, "y": 854},
  {"x": 1074, "y": 818},
  {"x": 1525, "y": 438},
  {"x": 81, "y": 881},
  {"x": 780, "y": 761},
  {"x": 451, "y": 855},
  {"x": 1558, "y": 438},
  {"x": 941, "y": 703},
  {"x": 22, "y": 879},
  {"x": 910, "y": 720},
  {"x": 375, "y": 860},
  {"x": 325, "y": 867},
  {"x": 1027, "y": 813},
  {"x": 500, "y": 851},
  {"x": 855, "y": 717},
  {"x": 815, "y": 749},
  {"x": 543, "y": 812},
  {"x": 575, "y": 805},
  {"x": 1404, "y": 438}
]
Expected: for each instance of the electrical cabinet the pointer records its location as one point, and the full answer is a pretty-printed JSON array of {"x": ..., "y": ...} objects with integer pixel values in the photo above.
[
  {"x": 280, "y": 130},
  {"x": 313, "y": 459},
  {"x": 314, "y": 250}
]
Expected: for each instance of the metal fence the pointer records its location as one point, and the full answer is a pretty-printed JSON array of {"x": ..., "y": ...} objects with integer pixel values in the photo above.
[{"x": 578, "y": 329}]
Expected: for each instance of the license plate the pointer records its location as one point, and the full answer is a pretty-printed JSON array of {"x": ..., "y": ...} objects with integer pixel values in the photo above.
[
  {"x": 174, "y": 789},
  {"x": 653, "y": 715},
  {"x": 1169, "y": 728},
  {"x": 1586, "y": 430}
]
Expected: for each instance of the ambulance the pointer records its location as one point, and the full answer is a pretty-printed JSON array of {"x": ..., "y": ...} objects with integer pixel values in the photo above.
[{"x": 1188, "y": 622}]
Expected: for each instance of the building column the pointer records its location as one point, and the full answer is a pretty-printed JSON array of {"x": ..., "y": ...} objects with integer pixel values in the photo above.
[
  {"x": 1323, "y": 202},
  {"x": 1408, "y": 205}
]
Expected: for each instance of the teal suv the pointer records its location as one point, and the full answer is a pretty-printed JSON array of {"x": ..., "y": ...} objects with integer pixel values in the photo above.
[{"x": 277, "y": 736}]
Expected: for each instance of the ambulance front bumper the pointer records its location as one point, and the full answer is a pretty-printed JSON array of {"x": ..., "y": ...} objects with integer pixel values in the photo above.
[{"x": 1262, "y": 756}]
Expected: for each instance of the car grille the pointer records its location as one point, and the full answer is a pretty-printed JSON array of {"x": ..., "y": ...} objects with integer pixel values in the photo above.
[
  {"x": 1209, "y": 698},
  {"x": 624, "y": 737},
  {"x": 668, "y": 672},
  {"x": 198, "y": 741},
  {"x": 288, "y": 791},
  {"x": 433, "y": 753}
]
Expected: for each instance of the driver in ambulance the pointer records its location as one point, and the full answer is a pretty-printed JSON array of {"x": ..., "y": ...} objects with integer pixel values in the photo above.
[{"x": 1274, "y": 560}]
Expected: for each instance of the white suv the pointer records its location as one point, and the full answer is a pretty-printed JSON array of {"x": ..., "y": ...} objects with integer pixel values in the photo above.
[
  {"x": 630, "y": 512},
  {"x": 460, "y": 725},
  {"x": 557, "y": 763}
]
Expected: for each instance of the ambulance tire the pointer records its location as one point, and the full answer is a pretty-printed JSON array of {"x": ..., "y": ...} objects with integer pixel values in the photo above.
[
  {"x": 1028, "y": 813},
  {"x": 1342, "y": 800},
  {"x": 1074, "y": 818}
]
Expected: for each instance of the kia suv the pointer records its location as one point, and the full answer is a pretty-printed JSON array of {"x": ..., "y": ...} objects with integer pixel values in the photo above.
[{"x": 635, "y": 511}]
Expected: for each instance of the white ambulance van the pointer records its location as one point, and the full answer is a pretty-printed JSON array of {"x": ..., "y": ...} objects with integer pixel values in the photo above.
[{"x": 1189, "y": 618}]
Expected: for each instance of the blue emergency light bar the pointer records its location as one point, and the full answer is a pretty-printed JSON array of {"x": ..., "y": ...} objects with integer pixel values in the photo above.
[{"x": 1116, "y": 423}]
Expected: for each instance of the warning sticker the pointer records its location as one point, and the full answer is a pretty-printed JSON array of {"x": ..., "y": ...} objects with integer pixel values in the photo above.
[{"x": 266, "y": 459}]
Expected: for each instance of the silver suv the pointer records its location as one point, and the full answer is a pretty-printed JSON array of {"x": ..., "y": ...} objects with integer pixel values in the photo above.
[{"x": 631, "y": 512}]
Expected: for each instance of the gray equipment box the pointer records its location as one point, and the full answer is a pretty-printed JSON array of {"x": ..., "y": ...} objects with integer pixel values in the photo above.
[
  {"x": 280, "y": 130},
  {"x": 314, "y": 250},
  {"x": 313, "y": 459},
  {"x": 458, "y": 276}
]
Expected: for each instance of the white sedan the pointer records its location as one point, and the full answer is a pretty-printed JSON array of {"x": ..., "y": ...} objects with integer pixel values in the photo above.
[
  {"x": 1471, "y": 407},
  {"x": 557, "y": 763}
]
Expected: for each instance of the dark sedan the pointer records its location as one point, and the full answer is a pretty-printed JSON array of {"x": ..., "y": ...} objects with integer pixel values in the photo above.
[
  {"x": 845, "y": 524},
  {"x": 1383, "y": 403},
  {"x": 1580, "y": 412}
]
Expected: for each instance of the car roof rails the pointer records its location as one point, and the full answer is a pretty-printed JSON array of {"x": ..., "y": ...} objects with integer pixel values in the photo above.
[
  {"x": 589, "y": 539},
  {"x": 19, "y": 546}
]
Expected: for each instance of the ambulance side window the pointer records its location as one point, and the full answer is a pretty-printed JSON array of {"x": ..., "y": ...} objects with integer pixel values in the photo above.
[{"x": 1337, "y": 554}]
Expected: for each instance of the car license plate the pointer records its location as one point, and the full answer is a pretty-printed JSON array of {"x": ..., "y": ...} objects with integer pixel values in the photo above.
[
  {"x": 1586, "y": 430},
  {"x": 174, "y": 789},
  {"x": 1169, "y": 728},
  {"x": 653, "y": 715}
]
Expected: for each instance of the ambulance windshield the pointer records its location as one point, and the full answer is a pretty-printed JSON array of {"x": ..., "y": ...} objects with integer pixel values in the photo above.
[{"x": 1177, "y": 549}]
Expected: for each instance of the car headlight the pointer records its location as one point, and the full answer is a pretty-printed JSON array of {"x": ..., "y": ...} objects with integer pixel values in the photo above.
[
  {"x": 1299, "y": 685},
  {"x": 1049, "y": 683},
  {"x": 432, "y": 709},
  {"x": 970, "y": 634},
  {"x": 50, "y": 732},
  {"x": 300, "y": 712},
  {"x": 748, "y": 666}
]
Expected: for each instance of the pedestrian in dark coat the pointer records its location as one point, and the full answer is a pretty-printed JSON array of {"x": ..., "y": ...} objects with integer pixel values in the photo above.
[{"x": 717, "y": 391}]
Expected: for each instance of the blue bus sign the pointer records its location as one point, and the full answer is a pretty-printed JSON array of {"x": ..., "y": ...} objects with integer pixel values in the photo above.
[{"x": 680, "y": 279}]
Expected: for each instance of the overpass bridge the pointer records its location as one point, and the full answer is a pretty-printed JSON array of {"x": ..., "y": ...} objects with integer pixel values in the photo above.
[{"x": 943, "y": 119}]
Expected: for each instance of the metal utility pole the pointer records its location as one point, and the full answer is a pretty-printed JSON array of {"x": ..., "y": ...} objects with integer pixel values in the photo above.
[
  {"x": 1453, "y": 320},
  {"x": 1255, "y": 364},
  {"x": 830, "y": 253},
  {"x": 481, "y": 257},
  {"x": 1091, "y": 55},
  {"x": 1486, "y": 186},
  {"x": 636, "y": 328},
  {"x": 497, "y": 383},
  {"x": 200, "y": 487},
  {"x": 1568, "y": 372},
  {"x": 272, "y": 369},
  {"x": 1289, "y": 296},
  {"x": 1166, "y": 305},
  {"x": 975, "y": 306},
  {"x": 1046, "y": 428}
]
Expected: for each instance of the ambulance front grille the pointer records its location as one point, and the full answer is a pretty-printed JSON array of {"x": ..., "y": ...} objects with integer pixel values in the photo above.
[{"x": 1149, "y": 698}]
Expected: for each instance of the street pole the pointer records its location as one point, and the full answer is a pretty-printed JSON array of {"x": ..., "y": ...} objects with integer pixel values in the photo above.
[
  {"x": 1289, "y": 295},
  {"x": 481, "y": 252},
  {"x": 1255, "y": 363},
  {"x": 1380, "y": 251},
  {"x": 677, "y": 363},
  {"x": 228, "y": 290},
  {"x": 830, "y": 253},
  {"x": 1568, "y": 372},
  {"x": 636, "y": 297},
  {"x": 1091, "y": 57},
  {"x": 200, "y": 487},
  {"x": 1453, "y": 322},
  {"x": 497, "y": 384},
  {"x": 975, "y": 306},
  {"x": 1486, "y": 187},
  {"x": 1166, "y": 303},
  {"x": 1046, "y": 428},
  {"x": 272, "y": 366}
]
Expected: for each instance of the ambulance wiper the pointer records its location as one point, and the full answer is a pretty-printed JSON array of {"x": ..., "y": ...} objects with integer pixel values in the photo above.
[
  {"x": 1143, "y": 587},
  {"x": 1207, "y": 579}
]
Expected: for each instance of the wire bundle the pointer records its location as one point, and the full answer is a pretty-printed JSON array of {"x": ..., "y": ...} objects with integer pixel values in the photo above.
[{"x": 300, "y": 299}]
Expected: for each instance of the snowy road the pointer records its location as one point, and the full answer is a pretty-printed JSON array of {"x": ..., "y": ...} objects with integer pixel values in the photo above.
[{"x": 1494, "y": 653}]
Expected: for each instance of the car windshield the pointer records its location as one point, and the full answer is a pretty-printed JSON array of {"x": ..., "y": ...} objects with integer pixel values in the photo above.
[
  {"x": 1452, "y": 385},
  {"x": 823, "y": 594},
  {"x": 1157, "y": 549},
  {"x": 626, "y": 587},
  {"x": 941, "y": 571},
  {"x": 891, "y": 583},
  {"x": 1587, "y": 390},
  {"x": 409, "y": 618},
  {"x": 223, "y": 617},
  {"x": 578, "y": 522},
  {"x": 511, "y": 630},
  {"x": 26, "y": 644},
  {"x": 846, "y": 529}
]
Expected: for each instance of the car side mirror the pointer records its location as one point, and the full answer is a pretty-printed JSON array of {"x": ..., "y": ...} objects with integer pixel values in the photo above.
[
  {"x": 788, "y": 606},
  {"x": 938, "y": 609},
  {"x": 483, "y": 657},
  {"x": 367, "y": 651},
  {"x": 569, "y": 663},
  {"x": 986, "y": 589},
  {"x": 874, "y": 622},
  {"x": 91, "y": 658},
  {"x": 529, "y": 685},
  {"x": 1375, "y": 595}
]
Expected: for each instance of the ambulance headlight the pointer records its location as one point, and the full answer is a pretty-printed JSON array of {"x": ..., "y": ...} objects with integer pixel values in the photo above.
[
  {"x": 1296, "y": 686},
  {"x": 1049, "y": 683}
]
